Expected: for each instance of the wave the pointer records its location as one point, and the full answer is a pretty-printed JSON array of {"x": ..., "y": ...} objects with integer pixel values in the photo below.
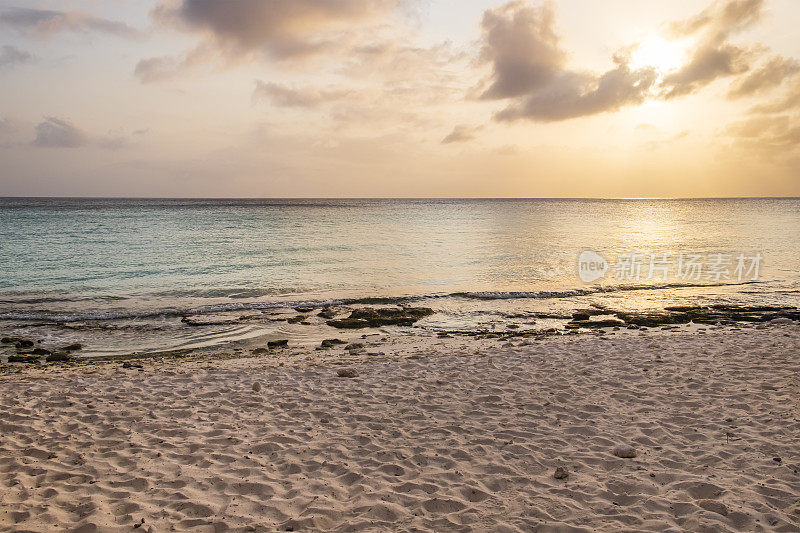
[
  {"x": 227, "y": 307},
  {"x": 570, "y": 293}
]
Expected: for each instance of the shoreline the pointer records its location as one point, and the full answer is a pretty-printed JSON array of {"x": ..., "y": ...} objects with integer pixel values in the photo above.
[
  {"x": 315, "y": 324},
  {"x": 452, "y": 433}
]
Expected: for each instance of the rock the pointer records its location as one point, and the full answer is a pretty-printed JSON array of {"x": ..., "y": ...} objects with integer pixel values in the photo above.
[
  {"x": 625, "y": 451},
  {"x": 374, "y": 318},
  {"x": 23, "y": 358},
  {"x": 6, "y": 340},
  {"x": 296, "y": 319},
  {"x": 777, "y": 459},
  {"x": 40, "y": 351},
  {"x": 353, "y": 346},
  {"x": 581, "y": 316},
  {"x": 24, "y": 343},
  {"x": 561, "y": 473},
  {"x": 256, "y": 387},
  {"x": 304, "y": 310},
  {"x": 260, "y": 351},
  {"x": 346, "y": 373},
  {"x": 327, "y": 313},
  {"x": 73, "y": 347},
  {"x": 128, "y": 364},
  {"x": 278, "y": 344},
  {"x": 58, "y": 357},
  {"x": 330, "y": 343},
  {"x": 714, "y": 507},
  {"x": 605, "y": 323}
]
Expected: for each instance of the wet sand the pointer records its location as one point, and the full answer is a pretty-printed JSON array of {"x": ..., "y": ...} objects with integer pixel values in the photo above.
[{"x": 450, "y": 434}]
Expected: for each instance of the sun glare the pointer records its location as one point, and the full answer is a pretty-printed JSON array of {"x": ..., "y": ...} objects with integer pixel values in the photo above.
[{"x": 655, "y": 52}]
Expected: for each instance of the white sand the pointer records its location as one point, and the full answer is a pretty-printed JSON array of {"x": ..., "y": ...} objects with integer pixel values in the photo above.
[{"x": 445, "y": 442}]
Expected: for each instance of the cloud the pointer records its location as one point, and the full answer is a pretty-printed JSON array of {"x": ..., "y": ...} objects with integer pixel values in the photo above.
[
  {"x": 53, "y": 132},
  {"x": 284, "y": 96},
  {"x": 776, "y": 138},
  {"x": 10, "y": 55},
  {"x": 240, "y": 30},
  {"x": 461, "y": 133},
  {"x": 41, "y": 23},
  {"x": 772, "y": 74},
  {"x": 788, "y": 102},
  {"x": 528, "y": 66},
  {"x": 521, "y": 44},
  {"x": 7, "y": 127},
  {"x": 713, "y": 56}
]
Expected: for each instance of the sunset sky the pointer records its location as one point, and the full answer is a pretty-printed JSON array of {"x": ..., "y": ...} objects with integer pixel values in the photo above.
[{"x": 399, "y": 98}]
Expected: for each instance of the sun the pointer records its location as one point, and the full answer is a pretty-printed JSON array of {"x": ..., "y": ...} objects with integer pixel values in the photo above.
[{"x": 655, "y": 52}]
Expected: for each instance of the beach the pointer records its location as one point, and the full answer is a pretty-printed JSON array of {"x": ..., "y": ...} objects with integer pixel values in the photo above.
[{"x": 413, "y": 433}]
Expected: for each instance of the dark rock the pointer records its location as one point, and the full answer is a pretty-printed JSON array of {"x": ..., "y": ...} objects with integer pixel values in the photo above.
[
  {"x": 73, "y": 347},
  {"x": 304, "y": 310},
  {"x": 23, "y": 358},
  {"x": 128, "y": 364},
  {"x": 24, "y": 343},
  {"x": 374, "y": 318},
  {"x": 260, "y": 351},
  {"x": 376, "y": 301},
  {"x": 604, "y": 323},
  {"x": 329, "y": 343},
  {"x": 354, "y": 346},
  {"x": 296, "y": 319},
  {"x": 561, "y": 473},
  {"x": 581, "y": 316},
  {"x": 278, "y": 344},
  {"x": 40, "y": 351},
  {"x": 327, "y": 313},
  {"x": 6, "y": 340},
  {"x": 58, "y": 357}
]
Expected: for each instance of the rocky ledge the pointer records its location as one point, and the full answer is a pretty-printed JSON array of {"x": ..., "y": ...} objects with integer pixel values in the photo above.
[
  {"x": 710, "y": 315},
  {"x": 369, "y": 317}
]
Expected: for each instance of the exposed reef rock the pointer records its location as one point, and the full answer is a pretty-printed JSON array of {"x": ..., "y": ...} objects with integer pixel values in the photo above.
[{"x": 375, "y": 318}]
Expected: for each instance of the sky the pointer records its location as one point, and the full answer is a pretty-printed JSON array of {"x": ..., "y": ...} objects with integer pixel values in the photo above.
[{"x": 399, "y": 98}]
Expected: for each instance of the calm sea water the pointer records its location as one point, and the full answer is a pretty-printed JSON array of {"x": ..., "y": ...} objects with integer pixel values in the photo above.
[{"x": 70, "y": 264}]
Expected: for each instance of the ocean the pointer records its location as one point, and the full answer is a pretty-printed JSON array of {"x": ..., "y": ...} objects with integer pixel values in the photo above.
[{"x": 119, "y": 275}]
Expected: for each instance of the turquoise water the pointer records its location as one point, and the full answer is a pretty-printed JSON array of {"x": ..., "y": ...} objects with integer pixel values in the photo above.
[{"x": 71, "y": 260}]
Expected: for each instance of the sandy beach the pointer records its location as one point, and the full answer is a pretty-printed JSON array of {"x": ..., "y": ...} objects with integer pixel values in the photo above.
[{"x": 448, "y": 434}]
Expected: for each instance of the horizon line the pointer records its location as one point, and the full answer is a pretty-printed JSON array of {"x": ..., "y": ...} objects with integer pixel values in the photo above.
[{"x": 399, "y": 197}]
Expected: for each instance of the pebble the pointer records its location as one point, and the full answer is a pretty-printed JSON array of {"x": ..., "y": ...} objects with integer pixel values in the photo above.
[
  {"x": 256, "y": 387},
  {"x": 625, "y": 451},
  {"x": 561, "y": 473},
  {"x": 346, "y": 373}
]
